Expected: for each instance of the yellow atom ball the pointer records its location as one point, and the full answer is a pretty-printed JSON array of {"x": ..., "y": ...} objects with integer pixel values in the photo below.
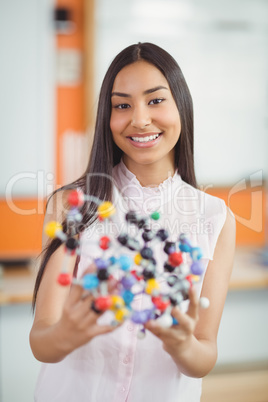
[
  {"x": 152, "y": 285},
  {"x": 52, "y": 228},
  {"x": 195, "y": 278},
  {"x": 137, "y": 259},
  {"x": 121, "y": 314},
  {"x": 106, "y": 209},
  {"x": 117, "y": 302}
]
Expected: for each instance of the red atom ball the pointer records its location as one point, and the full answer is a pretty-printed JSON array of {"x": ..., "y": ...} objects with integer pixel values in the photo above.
[
  {"x": 104, "y": 242},
  {"x": 159, "y": 303},
  {"x": 64, "y": 279},
  {"x": 76, "y": 198},
  {"x": 103, "y": 303},
  {"x": 189, "y": 279},
  {"x": 175, "y": 259}
]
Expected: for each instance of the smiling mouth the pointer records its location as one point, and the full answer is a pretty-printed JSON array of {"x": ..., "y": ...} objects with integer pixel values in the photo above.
[{"x": 145, "y": 139}]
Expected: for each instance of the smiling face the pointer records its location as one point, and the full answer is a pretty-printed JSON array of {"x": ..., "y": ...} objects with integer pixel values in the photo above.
[{"x": 145, "y": 121}]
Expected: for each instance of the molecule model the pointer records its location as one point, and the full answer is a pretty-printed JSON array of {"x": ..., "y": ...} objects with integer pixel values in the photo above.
[{"x": 128, "y": 265}]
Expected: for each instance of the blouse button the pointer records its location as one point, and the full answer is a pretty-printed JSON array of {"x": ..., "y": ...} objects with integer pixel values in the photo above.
[{"x": 130, "y": 327}]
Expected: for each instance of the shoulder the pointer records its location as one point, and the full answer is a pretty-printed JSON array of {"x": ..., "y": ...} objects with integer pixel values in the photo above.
[
  {"x": 228, "y": 232},
  {"x": 213, "y": 207},
  {"x": 57, "y": 204},
  {"x": 201, "y": 204},
  {"x": 56, "y": 209},
  {"x": 212, "y": 221}
]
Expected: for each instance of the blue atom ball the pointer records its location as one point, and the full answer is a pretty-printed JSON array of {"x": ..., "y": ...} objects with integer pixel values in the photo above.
[
  {"x": 113, "y": 260},
  {"x": 128, "y": 296},
  {"x": 125, "y": 262},
  {"x": 128, "y": 281},
  {"x": 141, "y": 317},
  {"x": 185, "y": 248},
  {"x": 196, "y": 253},
  {"x": 90, "y": 281},
  {"x": 101, "y": 263}
]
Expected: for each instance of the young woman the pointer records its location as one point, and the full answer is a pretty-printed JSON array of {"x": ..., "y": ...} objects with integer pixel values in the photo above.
[{"x": 142, "y": 159}]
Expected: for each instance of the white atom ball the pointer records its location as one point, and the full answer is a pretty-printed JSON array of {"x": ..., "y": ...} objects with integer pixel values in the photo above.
[
  {"x": 165, "y": 321},
  {"x": 204, "y": 302}
]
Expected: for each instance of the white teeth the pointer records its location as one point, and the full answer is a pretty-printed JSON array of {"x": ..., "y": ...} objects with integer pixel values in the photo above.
[{"x": 145, "y": 139}]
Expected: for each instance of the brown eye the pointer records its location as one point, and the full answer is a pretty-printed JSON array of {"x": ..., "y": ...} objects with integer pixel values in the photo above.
[
  {"x": 122, "y": 106},
  {"x": 156, "y": 101}
]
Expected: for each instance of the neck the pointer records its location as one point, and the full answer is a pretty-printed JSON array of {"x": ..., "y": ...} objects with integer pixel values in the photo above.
[{"x": 150, "y": 175}]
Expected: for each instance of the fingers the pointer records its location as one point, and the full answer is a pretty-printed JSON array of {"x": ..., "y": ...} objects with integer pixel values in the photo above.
[
  {"x": 154, "y": 327},
  {"x": 83, "y": 306},
  {"x": 193, "y": 305},
  {"x": 162, "y": 333},
  {"x": 76, "y": 292},
  {"x": 186, "y": 321},
  {"x": 192, "y": 311},
  {"x": 78, "y": 303},
  {"x": 103, "y": 329}
]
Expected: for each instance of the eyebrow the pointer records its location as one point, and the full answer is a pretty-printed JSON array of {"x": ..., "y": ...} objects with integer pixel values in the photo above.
[{"x": 148, "y": 91}]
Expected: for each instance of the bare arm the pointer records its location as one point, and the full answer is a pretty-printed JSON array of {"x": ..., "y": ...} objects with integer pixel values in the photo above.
[{"x": 193, "y": 343}]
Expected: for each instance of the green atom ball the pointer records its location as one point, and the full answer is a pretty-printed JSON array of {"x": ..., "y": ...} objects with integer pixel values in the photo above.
[{"x": 155, "y": 215}]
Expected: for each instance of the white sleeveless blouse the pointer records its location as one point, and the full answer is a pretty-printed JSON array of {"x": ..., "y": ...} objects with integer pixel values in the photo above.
[{"x": 118, "y": 367}]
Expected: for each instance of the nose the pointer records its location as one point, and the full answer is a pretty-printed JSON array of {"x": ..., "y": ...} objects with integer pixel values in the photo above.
[{"x": 140, "y": 117}]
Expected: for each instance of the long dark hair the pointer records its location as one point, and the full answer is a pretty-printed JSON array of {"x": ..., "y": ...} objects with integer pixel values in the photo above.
[{"x": 105, "y": 154}]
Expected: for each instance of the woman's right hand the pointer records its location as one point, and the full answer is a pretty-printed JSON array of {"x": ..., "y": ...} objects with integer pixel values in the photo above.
[
  {"x": 63, "y": 319},
  {"x": 78, "y": 323},
  {"x": 51, "y": 341}
]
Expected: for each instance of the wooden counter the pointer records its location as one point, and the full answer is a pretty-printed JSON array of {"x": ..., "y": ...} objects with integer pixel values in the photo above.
[
  {"x": 17, "y": 283},
  {"x": 249, "y": 272}
]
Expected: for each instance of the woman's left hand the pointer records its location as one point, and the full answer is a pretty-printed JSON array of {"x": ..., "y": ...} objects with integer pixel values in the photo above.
[{"x": 177, "y": 338}]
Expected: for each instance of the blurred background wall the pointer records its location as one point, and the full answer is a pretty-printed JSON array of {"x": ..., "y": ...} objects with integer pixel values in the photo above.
[
  {"x": 221, "y": 47},
  {"x": 54, "y": 54}
]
